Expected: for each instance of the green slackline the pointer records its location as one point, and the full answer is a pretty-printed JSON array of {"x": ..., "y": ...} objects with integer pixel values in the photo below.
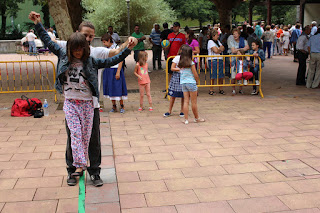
[{"x": 82, "y": 194}]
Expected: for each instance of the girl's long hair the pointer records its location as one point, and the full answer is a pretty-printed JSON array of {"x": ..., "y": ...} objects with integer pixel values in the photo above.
[
  {"x": 191, "y": 36},
  {"x": 142, "y": 57},
  {"x": 78, "y": 40},
  {"x": 185, "y": 56}
]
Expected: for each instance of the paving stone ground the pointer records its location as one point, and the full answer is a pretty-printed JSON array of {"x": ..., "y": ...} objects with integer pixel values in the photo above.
[{"x": 251, "y": 155}]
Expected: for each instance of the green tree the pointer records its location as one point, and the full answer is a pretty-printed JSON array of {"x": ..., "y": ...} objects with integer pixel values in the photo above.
[
  {"x": 201, "y": 10},
  {"x": 103, "y": 13},
  {"x": 44, "y": 10},
  {"x": 8, "y": 8},
  {"x": 240, "y": 10}
]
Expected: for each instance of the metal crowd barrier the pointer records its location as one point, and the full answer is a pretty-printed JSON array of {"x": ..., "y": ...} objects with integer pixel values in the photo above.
[
  {"x": 27, "y": 76},
  {"x": 205, "y": 74}
]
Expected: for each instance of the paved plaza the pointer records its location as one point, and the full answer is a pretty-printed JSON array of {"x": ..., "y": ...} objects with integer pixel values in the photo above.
[{"x": 251, "y": 155}]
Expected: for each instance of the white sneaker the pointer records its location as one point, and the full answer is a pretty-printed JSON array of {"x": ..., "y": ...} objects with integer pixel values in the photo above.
[
  {"x": 149, "y": 71},
  {"x": 186, "y": 122},
  {"x": 233, "y": 92},
  {"x": 257, "y": 82},
  {"x": 245, "y": 82},
  {"x": 239, "y": 82}
]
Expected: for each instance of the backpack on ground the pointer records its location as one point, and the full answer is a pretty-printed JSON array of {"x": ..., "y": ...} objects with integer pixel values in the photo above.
[{"x": 25, "y": 107}]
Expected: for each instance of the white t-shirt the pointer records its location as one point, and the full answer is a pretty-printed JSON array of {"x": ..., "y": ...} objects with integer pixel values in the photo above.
[
  {"x": 31, "y": 36},
  {"x": 211, "y": 44},
  {"x": 95, "y": 52},
  {"x": 52, "y": 36},
  {"x": 76, "y": 86},
  {"x": 114, "y": 46},
  {"x": 115, "y": 37}
]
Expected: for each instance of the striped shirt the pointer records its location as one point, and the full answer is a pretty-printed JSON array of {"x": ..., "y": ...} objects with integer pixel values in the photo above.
[{"x": 155, "y": 36}]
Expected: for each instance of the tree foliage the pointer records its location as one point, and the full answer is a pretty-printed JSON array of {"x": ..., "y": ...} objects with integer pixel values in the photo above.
[
  {"x": 103, "y": 13},
  {"x": 8, "y": 8},
  {"x": 201, "y": 10}
]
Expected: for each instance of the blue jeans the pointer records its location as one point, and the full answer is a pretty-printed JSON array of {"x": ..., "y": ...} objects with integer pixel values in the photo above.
[
  {"x": 216, "y": 66},
  {"x": 267, "y": 45},
  {"x": 189, "y": 87},
  {"x": 32, "y": 47}
]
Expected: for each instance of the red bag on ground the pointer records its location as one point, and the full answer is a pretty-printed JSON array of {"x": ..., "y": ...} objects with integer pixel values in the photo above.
[{"x": 25, "y": 107}]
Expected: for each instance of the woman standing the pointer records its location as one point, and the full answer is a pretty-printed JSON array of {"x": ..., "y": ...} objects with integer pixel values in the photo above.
[
  {"x": 267, "y": 37},
  {"x": 286, "y": 39},
  {"x": 192, "y": 42}
]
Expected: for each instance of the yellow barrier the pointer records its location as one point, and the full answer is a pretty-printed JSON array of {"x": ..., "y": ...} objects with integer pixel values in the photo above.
[
  {"x": 203, "y": 75},
  {"x": 27, "y": 76}
]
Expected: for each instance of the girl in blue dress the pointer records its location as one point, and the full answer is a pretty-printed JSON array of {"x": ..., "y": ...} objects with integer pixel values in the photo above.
[{"x": 114, "y": 82}]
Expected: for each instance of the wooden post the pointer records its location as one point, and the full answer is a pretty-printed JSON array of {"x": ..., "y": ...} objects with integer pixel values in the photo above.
[
  {"x": 269, "y": 6},
  {"x": 301, "y": 15}
]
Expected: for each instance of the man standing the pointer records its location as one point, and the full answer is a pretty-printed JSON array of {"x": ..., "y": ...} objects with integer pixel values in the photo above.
[
  {"x": 156, "y": 48},
  {"x": 164, "y": 36},
  {"x": 176, "y": 40},
  {"x": 302, "y": 54},
  {"x": 314, "y": 28},
  {"x": 30, "y": 38},
  {"x": 115, "y": 36},
  {"x": 140, "y": 46},
  {"x": 294, "y": 37},
  {"x": 313, "y": 78}
]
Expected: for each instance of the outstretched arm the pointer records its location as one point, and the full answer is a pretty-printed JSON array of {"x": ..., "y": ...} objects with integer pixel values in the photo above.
[
  {"x": 130, "y": 43},
  {"x": 35, "y": 17},
  {"x": 108, "y": 62}
]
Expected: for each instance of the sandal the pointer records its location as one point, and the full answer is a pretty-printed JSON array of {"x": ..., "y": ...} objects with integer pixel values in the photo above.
[
  {"x": 221, "y": 92},
  {"x": 211, "y": 92}
]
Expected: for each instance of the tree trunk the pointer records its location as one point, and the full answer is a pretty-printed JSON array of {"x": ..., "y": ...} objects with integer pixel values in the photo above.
[
  {"x": 46, "y": 15},
  {"x": 200, "y": 23},
  {"x": 3, "y": 20},
  {"x": 224, "y": 8},
  {"x": 76, "y": 14},
  {"x": 224, "y": 16},
  {"x": 60, "y": 14}
]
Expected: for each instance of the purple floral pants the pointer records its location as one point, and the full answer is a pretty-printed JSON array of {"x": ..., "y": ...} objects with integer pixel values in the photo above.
[{"x": 79, "y": 117}]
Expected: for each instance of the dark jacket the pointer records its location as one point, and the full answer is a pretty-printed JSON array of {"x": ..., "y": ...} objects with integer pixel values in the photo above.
[
  {"x": 261, "y": 56},
  {"x": 90, "y": 66}
]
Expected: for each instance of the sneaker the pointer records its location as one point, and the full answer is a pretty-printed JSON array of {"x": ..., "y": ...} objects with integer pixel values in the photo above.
[
  {"x": 254, "y": 92},
  {"x": 71, "y": 181},
  {"x": 149, "y": 71},
  {"x": 239, "y": 82},
  {"x": 197, "y": 120},
  {"x": 112, "y": 110},
  {"x": 233, "y": 92},
  {"x": 245, "y": 82},
  {"x": 167, "y": 114},
  {"x": 186, "y": 122},
  {"x": 257, "y": 82},
  {"x": 221, "y": 92},
  {"x": 241, "y": 92},
  {"x": 122, "y": 110},
  {"x": 96, "y": 180},
  {"x": 181, "y": 115},
  {"x": 150, "y": 109},
  {"x": 140, "y": 109}
]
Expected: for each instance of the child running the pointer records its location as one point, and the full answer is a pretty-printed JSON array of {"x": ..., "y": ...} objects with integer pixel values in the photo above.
[
  {"x": 114, "y": 82},
  {"x": 188, "y": 80},
  {"x": 77, "y": 79},
  {"x": 241, "y": 69},
  {"x": 257, "y": 52},
  {"x": 141, "y": 71}
]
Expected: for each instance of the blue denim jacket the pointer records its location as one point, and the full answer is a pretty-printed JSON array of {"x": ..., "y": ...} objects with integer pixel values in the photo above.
[
  {"x": 261, "y": 56},
  {"x": 90, "y": 66}
]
